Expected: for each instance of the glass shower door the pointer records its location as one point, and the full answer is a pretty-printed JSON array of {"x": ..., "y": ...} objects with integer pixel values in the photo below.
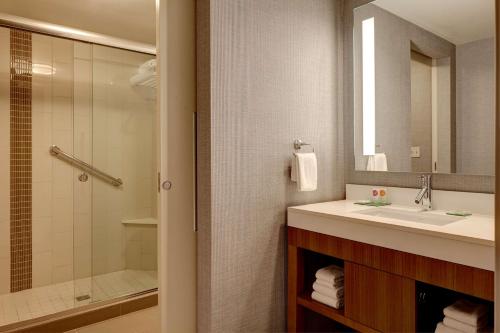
[
  {"x": 74, "y": 117},
  {"x": 123, "y": 220}
]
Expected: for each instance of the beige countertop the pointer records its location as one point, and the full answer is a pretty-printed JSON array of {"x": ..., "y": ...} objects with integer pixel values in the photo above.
[
  {"x": 475, "y": 228},
  {"x": 469, "y": 241}
]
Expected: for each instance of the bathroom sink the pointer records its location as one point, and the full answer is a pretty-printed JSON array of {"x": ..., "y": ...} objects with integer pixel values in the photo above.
[{"x": 425, "y": 217}]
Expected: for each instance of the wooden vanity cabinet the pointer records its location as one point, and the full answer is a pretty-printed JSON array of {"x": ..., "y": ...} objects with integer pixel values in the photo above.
[
  {"x": 379, "y": 284},
  {"x": 380, "y": 300}
]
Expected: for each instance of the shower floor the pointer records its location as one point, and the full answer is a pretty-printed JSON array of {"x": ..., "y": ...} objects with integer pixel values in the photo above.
[{"x": 50, "y": 299}]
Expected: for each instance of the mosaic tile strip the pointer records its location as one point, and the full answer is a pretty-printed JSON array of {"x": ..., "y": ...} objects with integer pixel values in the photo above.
[{"x": 20, "y": 160}]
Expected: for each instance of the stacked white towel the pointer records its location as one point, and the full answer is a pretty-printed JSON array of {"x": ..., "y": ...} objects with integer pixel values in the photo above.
[
  {"x": 464, "y": 317},
  {"x": 329, "y": 286}
]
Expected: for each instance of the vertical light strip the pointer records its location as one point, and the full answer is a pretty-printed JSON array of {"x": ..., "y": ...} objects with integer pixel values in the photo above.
[
  {"x": 435, "y": 120},
  {"x": 368, "y": 50}
]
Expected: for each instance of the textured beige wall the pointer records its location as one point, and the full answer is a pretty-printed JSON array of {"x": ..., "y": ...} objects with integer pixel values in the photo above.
[
  {"x": 269, "y": 72},
  {"x": 476, "y": 107},
  {"x": 421, "y": 111}
]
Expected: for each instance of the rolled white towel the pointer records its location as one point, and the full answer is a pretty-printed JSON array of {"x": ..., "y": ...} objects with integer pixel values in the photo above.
[
  {"x": 442, "y": 328},
  {"x": 330, "y": 274},
  {"x": 334, "y": 292},
  {"x": 466, "y": 312},
  {"x": 453, "y": 323},
  {"x": 338, "y": 283},
  {"x": 330, "y": 301}
]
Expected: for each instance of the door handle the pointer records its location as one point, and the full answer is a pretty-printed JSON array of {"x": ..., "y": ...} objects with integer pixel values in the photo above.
[{"x": 166, "y": 185}]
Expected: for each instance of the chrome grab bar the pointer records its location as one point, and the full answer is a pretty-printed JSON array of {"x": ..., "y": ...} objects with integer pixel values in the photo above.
[{"x": 57, "y": 152}]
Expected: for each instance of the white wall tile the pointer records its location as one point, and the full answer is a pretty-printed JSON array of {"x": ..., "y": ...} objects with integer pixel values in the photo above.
[
  {"x": 82, "y": 50},
  {"x": 42, "y": 140},
  {"x": 63, "y": 174},
  {"x": 42, "y": 235},
  {"x": 42, "y": 199},
  {"x": 4, "y": 240},
  {"x": 42, "y": 268},
  {"x": 62, "y": 249},
  {"x": 62, "y": 273},
  {"x": 62, "y": 218},
  {"x": 5, "y": 275}
]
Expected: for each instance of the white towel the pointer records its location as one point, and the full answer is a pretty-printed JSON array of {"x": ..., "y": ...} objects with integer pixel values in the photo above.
[
  {"x": 148, "y": 66},
  {"x": 305, "y": 171},
  {"x": 442, "y": 328},
  {"x": 466, "y": 312},
  {"x": 453, "y": 323},
  {"x": 337, "y": 283},
  {"x": 330, "y": 274},
  {"x": 334, "y": 292},
  {"x": 333, "y": 302},
  {"x": 377, "y": 162},
  {"x": 293, "y": 173}
]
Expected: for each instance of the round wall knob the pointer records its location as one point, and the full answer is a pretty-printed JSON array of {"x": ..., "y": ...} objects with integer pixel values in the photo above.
[
  {"x": 83, "y": 177},
  {"x": 166, "y": 185}
]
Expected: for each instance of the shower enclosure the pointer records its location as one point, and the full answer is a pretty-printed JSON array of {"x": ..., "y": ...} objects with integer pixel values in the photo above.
[{"x": 78, "y": 174}]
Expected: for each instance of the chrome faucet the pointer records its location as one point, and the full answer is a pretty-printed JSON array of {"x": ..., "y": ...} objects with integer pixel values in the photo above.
[{"x": 424, "y": 196}]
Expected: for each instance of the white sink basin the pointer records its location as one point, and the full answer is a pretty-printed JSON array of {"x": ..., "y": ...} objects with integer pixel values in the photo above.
[{"x": 425, "y": 217}]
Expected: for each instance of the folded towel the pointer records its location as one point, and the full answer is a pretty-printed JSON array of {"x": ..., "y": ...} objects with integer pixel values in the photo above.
[
  {"x": 337, "y": 283},
  {"x": 330, "y": 301},
  {"x": 330, "y": 273},
  {"x": 305, "y": 171},
  {"x": 329, "y": 291},
  {"x": 377, "y": 162},
  {"x": 453, "y": 323},
  {"x": 148, "y": 66},
  {"x": 442, "y": 328},
  {"x": 466, "y": 312}
]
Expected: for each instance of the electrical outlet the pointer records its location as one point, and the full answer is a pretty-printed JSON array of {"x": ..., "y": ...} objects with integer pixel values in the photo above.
[{"x": 415, "y": 152}]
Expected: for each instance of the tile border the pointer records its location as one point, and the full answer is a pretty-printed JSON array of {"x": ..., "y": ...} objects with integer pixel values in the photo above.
[{"x": 21, "y": 256}]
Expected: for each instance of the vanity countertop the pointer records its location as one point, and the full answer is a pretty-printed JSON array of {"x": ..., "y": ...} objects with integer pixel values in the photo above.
[
  {"x": 469, "y": 241},
  {"x": 476, "y": 228}
]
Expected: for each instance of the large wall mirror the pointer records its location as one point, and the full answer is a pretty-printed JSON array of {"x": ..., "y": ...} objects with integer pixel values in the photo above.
[{"x": 424, "y": 86}]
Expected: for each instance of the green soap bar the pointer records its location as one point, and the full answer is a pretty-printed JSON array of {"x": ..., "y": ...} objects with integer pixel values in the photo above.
[
  {"x": 379, "y": 204},
  {"x": 458, "y": 213},
  {"x": 372, "y": 204},
  {"x": 363, "y": 202}
]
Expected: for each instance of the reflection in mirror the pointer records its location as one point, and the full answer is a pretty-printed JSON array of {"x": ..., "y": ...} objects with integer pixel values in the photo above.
[{"x": 424, "y": 86}]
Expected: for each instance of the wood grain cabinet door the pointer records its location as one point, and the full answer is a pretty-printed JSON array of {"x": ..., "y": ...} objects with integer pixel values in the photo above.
[{"x": 380, "y": 300}]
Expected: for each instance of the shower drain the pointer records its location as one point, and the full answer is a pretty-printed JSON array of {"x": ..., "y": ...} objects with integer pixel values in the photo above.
[{"x": 82, "y": 298}]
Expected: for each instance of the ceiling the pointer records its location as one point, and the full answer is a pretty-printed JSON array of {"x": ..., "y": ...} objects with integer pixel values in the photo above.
[
  {"x": 128, "y": 19},
  {"x": 458, "y": 21}
]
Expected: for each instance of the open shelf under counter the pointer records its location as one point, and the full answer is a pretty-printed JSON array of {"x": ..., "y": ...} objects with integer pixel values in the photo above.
[
  {"x": 337, "y": 315},
  {"x": 380, "y": 284}
]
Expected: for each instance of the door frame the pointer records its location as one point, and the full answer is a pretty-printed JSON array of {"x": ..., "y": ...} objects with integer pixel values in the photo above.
[{"x": 176, "y": 57}]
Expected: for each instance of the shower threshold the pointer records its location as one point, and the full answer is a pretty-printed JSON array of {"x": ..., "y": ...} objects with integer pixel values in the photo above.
[{"x": 51, "y": 299}]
